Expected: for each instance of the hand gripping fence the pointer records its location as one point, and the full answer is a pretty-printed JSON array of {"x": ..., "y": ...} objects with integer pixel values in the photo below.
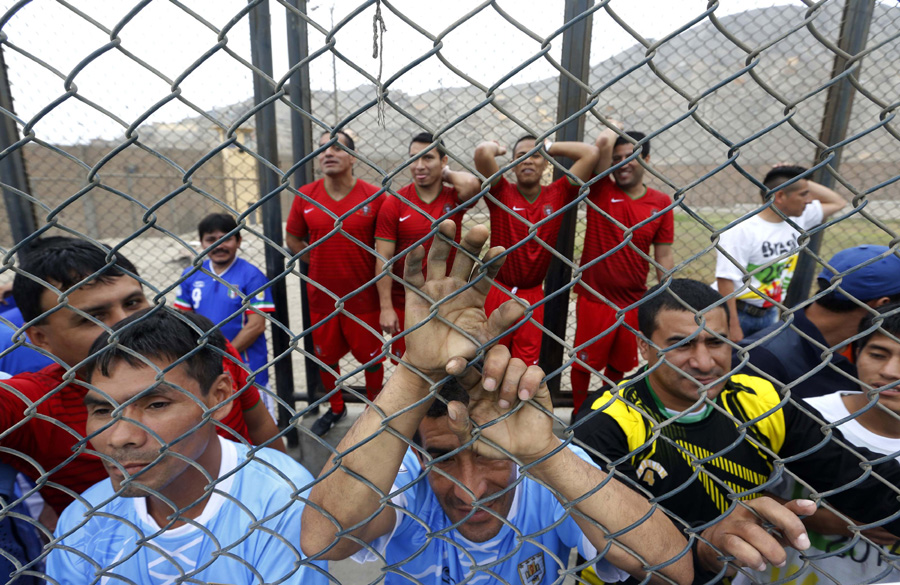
[{"x": 124, "y": 125}]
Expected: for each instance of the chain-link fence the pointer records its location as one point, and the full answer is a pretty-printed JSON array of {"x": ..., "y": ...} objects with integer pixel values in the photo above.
[{"x": 125, "y": 125}]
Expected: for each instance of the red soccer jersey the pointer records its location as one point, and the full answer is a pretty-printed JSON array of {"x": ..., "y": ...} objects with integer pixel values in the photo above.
[
  {"x": 52, "y": 443},
  {"x": 526, "y": 266},
  {"x": 338, "y": 263},
  {"x": 403, "y": 224},
  {"x": 622, "y": 277}
]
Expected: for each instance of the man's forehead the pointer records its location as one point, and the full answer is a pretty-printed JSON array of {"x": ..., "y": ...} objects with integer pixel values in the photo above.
[
  {"x": 884, "y": 342},
  {"x": 671, "y": 322},
  {"x": 436, "y": 434},
  {"x": 86, "y": 294}
]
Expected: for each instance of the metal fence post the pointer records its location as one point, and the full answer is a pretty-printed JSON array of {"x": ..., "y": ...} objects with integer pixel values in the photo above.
[
  {"x": 576, "y": 50},
  {"x": 838, "y": 107},
  {"x": 301, "y": 143},
  {"x": 13, "y": 177},
  {"x": 267, "y": 147}
]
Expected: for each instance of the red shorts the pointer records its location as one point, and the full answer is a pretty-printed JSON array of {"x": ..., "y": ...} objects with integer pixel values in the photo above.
[
  {"x": 525, "y": 342},
  {"x": 341, "y": 333},
  {"x": 616, "y": 348}
]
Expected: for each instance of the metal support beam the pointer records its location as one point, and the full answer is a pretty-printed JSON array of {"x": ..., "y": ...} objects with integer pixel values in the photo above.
[
  {"x": 576, "y": 50},
  {"x": 13, "y": 178},
  {"x": 835, "y": 120},
  {"x": 269, "y": 181},
  {"x": 301, "y": 143}
]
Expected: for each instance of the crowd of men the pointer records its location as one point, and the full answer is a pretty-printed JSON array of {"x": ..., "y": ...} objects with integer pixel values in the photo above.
[{"x": 139, "y": 439}]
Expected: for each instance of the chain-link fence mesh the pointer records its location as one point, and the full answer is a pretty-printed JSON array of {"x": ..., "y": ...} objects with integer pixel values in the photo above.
[{"x": 134, "y": 122}]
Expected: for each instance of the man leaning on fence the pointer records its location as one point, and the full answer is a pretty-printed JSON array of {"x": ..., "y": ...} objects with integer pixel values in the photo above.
[
  {"x": 516, "y": 209},
  {"x": 855, "y": 281},
  {"x": 341, "y": 263},
  {"x": 96, "y": 294},
  {"x": 501, "y": 502},
  {"x": 620, "y": 278},
  {"x": 698, "y": 439},
  {"x": 180, "y": 503},
  {"x": 763, "y": 248}
]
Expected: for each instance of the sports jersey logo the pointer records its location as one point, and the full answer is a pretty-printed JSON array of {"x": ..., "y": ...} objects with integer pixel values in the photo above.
[
  {"x": 366, "y": 210},
  {"x": 649, "y": 471},
  {"x": 531, "y": 570},
  {"x": 261, "y": 296},
  {"x": 199, "y": 284},
  {"x": 583, "y": 356},
  {"x": 232, "y": 293},
  {"x": 548, "y": 210},
  {"x": 447, "y": 208}
]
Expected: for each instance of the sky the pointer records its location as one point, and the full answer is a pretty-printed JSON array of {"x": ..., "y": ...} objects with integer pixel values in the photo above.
[{"x": 164, "y": 39}]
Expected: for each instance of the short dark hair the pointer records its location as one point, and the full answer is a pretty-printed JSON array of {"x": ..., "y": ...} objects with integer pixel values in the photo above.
[
  {"x": 637, "y": 137},
  {"x": 838, "y": 303},
  {"x": 63, "y": 262},
  {"x": 521, "y": 138},
  {"x": 427, "y": 138},
  {"x": 348, "y": 142},
  {"x": 779, "y": 175},
  {"x": 161, "y": 333},
  {"x": 449, "y": 392},
  {"x": 698, "y": 296},
  {"x": 890, "y": 325},
  {"x": 217, "y": 222}
]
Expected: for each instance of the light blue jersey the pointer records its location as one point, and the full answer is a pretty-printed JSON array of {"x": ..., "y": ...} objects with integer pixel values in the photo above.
[
  {"x": 536, "y": 557},
  {"x": 121, "y": 543}
]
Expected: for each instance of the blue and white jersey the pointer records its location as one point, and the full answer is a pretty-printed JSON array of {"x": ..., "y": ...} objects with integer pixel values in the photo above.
[
  {"x": 216, "y": 301},
  {"x": 121, "y": 543},
  {"x": 536, "y": 557}
]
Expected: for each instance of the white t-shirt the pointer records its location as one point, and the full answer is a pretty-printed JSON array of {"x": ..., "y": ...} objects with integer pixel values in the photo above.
[
  {"x": 860, "y": 563},
  {"x": 767, "y": 248}
]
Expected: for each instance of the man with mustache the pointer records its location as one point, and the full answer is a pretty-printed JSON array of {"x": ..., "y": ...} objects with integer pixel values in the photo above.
[
  {"x": 221, "y": 287},
  {"x": 180, "y": 503},
  {"x": 704, "y": 443}
]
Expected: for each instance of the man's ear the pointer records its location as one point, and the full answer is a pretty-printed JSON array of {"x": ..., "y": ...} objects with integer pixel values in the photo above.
[
  {"x": 219, "y": 392},
  {"x": 879, "y": 302},
  {"x": 38, "y": 336},
  {"x": 644, "y": 348}
]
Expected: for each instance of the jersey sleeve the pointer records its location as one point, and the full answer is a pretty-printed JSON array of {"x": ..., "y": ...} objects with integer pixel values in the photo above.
[
  {"x": 665, "y": 234},
  {"x": 183, "y": 300},
  {"x": 812, "y": 215},
  {"x": 606, "y": 442},
  {"x": 261, "y": 301},
  {"x": 12, "y": 408},
  {"x": 571, "y": 535},
  {"x": 388, "y": 220},
  {"x": 66, "y": 567},
  {"x": 249, "y": 396},
  {"x": 827, "y": 465},
  {"x": 731, "y": 242},
  {"x": 296, "y": 223},
  {"x": 568, "y": 188},
  {"x": 497, "y": 190}
]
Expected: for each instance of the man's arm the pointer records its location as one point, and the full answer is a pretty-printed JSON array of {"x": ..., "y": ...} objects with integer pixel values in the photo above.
[
  {"x": 261, "y": 427},
  {"x": 831, "y": 201},
  {"x": 390, "y": 322},
  {"x": 254, "y": 326},
  {"x": 605, "y": 144},
  {"x": 584, "y": 157},
  {"x": 465, "y": 184},
  {"x": 296, "y": 244},
  {"x": 433, "y": 350},
  {"x": 486, "y": 155},
  {"x": 726, "y": 287},
  {"x": 662, "y": 253}
]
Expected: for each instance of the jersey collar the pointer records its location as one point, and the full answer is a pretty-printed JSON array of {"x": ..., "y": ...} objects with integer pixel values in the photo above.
[{"x": 669, "y": 413}]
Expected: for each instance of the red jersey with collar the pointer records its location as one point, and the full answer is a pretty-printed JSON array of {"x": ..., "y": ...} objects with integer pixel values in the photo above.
[
  {"x": 622, "y": 277},
  {"x": 338, "y": 264},
  {"x": 526, "y": 266},
  {"x": 51, "y": 435},
  {"x": 407, "y": 219}
]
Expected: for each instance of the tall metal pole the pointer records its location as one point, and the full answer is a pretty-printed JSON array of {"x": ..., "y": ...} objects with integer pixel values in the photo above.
[
  {"x": 301, "y": 143},
  {"x": 835, "y": 120},
  {"x": 576, "y": 50},
  {"x": 267, "y": 147},
  {"x": 20, "y": 213}
]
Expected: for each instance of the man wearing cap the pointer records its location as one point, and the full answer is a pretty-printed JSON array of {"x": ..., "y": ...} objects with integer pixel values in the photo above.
[{"x": 784, "y": 352}]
